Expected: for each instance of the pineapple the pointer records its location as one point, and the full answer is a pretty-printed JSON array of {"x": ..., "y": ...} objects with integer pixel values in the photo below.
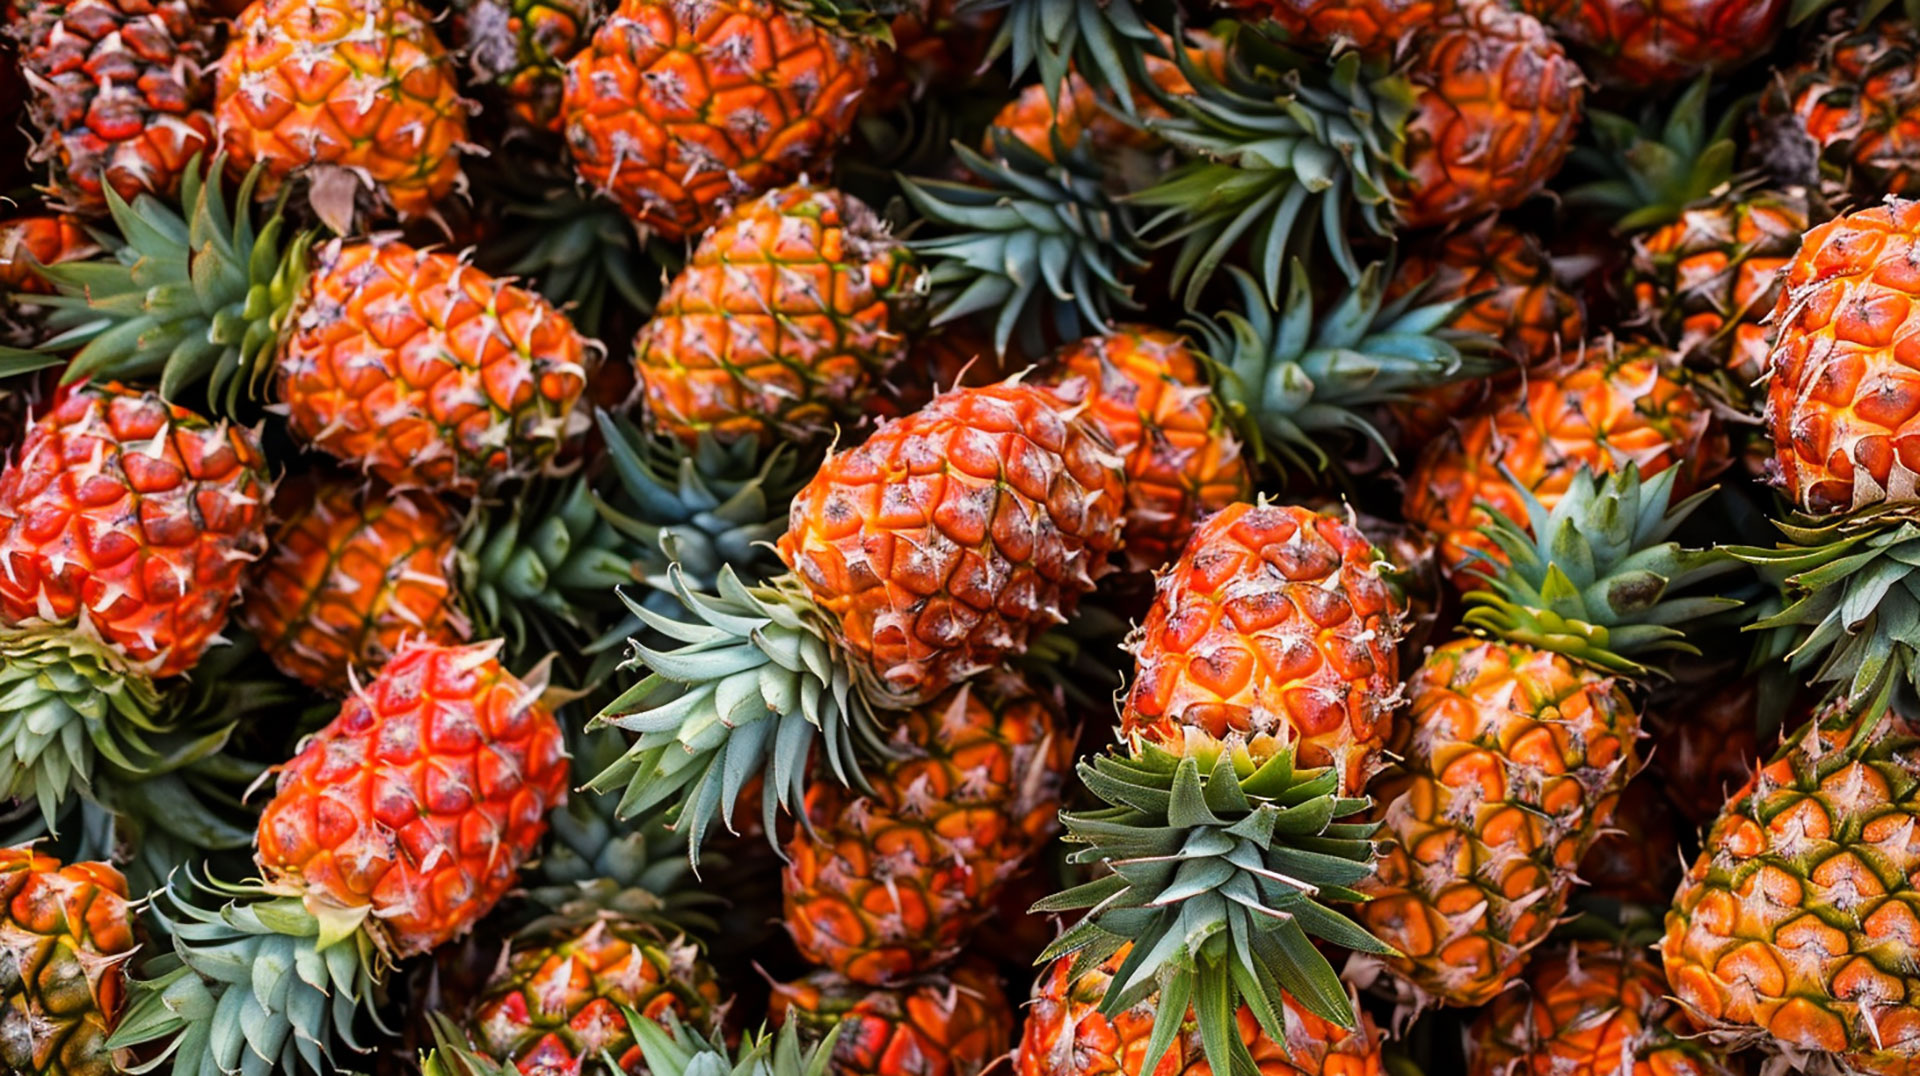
[
  {"x": 1066, "y": 1035},
  {"x": 394, "y": 830},
  {"x": 1845, "y": 118},
  {"x": 1638, "y": 45},
  {"x": 1520, "y": 738},
  {"x": 125, "y": 525},
  {"x": 1037, "y": 117},
  {"x": 955, "y": 1023},
  {"x": 889, "y": 884},
  {"x": 408, "y": 364},
  {"x": 26, "y": 243},
  {"x": 1617, "y": 403},
  {"x": 780, "y": 325},
  {"x": 1145, "y": 389},
  {"x": 357, "y": 97},
  {"x": 927, "y": 554},
  {"x": 66, "y": 933},
  {"x": 1496, "y": 109},
  {"x": 119, "y": 93},
  {"x": 1809, "y": 857},
  {"x": 670, "y": 1050},
  {"x": 1591, "y": 1008},
  {"x": 520, "y": 48},
  {"x": 1266, "y": 673},
  {"x": 675, "y": 109}
]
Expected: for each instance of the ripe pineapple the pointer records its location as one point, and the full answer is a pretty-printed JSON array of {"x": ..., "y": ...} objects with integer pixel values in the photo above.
[
  {"x": 118, "y": 92},
  {"x": 1519, "y": 739},
  {"x": 955, "y": 1023},
  {"x": 1497, "y": 107},
  {"x": 1146, "y": 391},
  {"x": 889, "y": 884},
  {"x": 781, "y": 324},
  {"x": 889, "y": 602},
  {"x": 394, "y": 830},
  {"x": 1846, "y": 117},
  {"x": 1591, "y": 1008},
  {"x": 1615, "y": 404},
  {"x": 125, "y": 525},
  {"x": 1066, "y": 1035},
  {"x": 1037, "y": 117},
  {"x": 26, "y": 243},
  {"x": 358, "y": 97},
  {"x": 1639, "y": 45},
  {"x": 1269, "y": 650},
  {"x": 1837, "y": 401},
  {"x": 520, "y": 48},
  {"x": 676, "y": 109},
  {"x": 408, "y": 364},
  {"x": 66, "y": 933},
  {"x": 1810, "y": 857}
]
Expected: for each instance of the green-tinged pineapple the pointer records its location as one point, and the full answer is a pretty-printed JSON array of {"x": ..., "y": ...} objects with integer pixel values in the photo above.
[
  {"x": 520, "y": 48},
  {"x": 952, "y": 1023},
  {"x": 1520, "y": 737},
  {"x": 66, "y": 933}
]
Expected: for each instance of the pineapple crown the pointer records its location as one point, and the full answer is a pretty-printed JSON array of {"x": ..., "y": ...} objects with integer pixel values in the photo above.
[
  {"x": 669, "y": 1049},
  {"x": 1028, "y": 212},
  {"x": 1851, "y": 602},
  {"x": 1223, "y": 867},
  {"x": 1289, "y": 378},
  {"x": 1105, "y": 42},
  {"x": 74, "y": 703},
  {"x": 1596, "y": 578},
  {"x": 757, "y": 678},
  {"x": 190, "y": 295},
  {"x": 1281, "y": 140},
  {"x": 1651, "y": 170}
]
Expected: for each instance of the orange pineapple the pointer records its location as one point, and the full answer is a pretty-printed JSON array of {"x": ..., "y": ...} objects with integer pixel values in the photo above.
[
  {"x": 66, "y": 933},
  {"x": 1590, "y": 1009},
  {"x": 1838, "y": 402},
  {"x": 352, "y": 569},
  {"x": 1615, "y": 404},
  {"x": 1036, "y": 118},
  {"x": 521, "y": 49},
  {"x": 118, "y": 91},
  {"x": 26, "y": 243},
  {"x": 1850, "y": 112},
  {"x": 677, "y": 108},
  {"x": 955, "y": 1023},
  {"x": 1146, "y": 390},
  {"x": 394, "y": 830},
  {"x": 1638, "y": 45},
  {"x": 781, "y": 324},
  {"x": 356, "y": 96},
  {"x": 1066, "y": 1035},
  {"x": 891, "y": 884},
  {"x": 1275, "y": 630},
  {"x": 935, "y": 43},
  {"x": 1498, "y": 104}
]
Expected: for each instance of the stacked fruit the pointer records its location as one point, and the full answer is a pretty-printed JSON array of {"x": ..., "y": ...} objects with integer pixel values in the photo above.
[{"x": 698, "y": 537}]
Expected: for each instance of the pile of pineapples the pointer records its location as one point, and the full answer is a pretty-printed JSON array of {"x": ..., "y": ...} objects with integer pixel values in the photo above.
[{"x": 927, "y": 537}]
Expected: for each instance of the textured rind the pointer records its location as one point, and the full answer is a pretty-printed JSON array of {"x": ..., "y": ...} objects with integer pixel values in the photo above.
[
  {"x": 352, "y": 569},
  {"x": 1499, "y": 103},
  {"x": 947, "y": 539},
  {"x": 131, "y": 521},
  {"x": 65, "y": 935},
  {"x": 1275, "y": 628},
  {"x": 780, "y": 325},
  {"x": 680, "y": 106},
  {"x": 1644, "y": 43},
  {"x": 1144, "y": 388},
  {"x": 1708, "y": 282},
  {"x": 1854, "y": 107},
  {"x": 1590, "y": 1009},
  {"x": 421, "y": 800},
  {"x": 1796, "y": 925},
  {"x": 1512, "y": 760},
  {"x": 1065, "y": 1035},
  {"x": 521, "y": 47},
  {"x": 895, "y": 883},
  {"x": 1610, "y": 406},
  {"x": 44, "y": 239},
  {"x": 119, "y": 94},
  {"x": 956, "y": 1023},
  {"x": 427, "y": 372},
  {"x": 363, "y": 85},
  {"x": 1843, "y": 403},
  {"x": 555, "y": 1008}
]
